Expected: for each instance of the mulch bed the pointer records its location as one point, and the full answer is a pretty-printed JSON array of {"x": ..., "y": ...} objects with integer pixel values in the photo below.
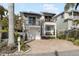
[
  {"x": 7, "y": 50},
  {"x": 10, "y": 51}
]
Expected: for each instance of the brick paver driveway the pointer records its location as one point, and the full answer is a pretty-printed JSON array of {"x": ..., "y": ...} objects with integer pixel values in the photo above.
[{"x": 46, "y": 46}]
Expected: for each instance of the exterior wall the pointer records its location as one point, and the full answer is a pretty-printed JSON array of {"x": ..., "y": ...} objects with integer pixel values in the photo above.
[
  {"x": 44, "y": 24},
  {"x": 66, "y": 15},
  {"x": 33, "y": 31},
  {"x": 70, "y": 24},
  {"x": 61, "y": 25}
]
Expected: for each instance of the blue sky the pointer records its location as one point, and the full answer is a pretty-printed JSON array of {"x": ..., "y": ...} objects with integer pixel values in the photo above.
[{"x": 37, "y": 7}]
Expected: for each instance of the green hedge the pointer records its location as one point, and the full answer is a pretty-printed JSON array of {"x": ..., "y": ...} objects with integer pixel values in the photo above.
[
  {"x": 61, "y": 36},
  {"x": 71, "y": 39},
  {"x": 76, "y": 42},
  {"x": 1, "y": 31}
]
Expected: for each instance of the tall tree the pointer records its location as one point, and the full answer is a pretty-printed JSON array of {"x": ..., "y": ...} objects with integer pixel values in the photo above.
[{"x": 11, "y": 42}]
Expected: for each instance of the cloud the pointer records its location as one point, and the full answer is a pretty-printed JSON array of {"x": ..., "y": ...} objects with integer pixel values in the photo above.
[{"x": 50, "y": 8}]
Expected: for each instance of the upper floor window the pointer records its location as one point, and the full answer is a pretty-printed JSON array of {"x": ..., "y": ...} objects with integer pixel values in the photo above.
[
  {"x": 32, "y": 20},
  {"x": 48, "y": 18}
]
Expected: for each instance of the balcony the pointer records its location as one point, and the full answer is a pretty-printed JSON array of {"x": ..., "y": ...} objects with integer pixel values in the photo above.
[
  {"x": 49, "y": 20},
  {"x": 32, "y": 26},
  {"x": 49, "y": 23},
  {"x": 74, "y": 17}
]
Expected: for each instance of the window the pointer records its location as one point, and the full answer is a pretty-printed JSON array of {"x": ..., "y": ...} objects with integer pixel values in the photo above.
[
  {"x": 48, "y": 28},
  {"x": 48, "y": 18},
  {"x": 32, "y": 20}
]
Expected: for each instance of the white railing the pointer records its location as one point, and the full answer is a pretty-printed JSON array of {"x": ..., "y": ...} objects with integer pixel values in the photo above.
[
  {"x": 32, "y": 26},
  {"x": 50, "y": 31},
  {"x": 74, "y": 17},
  {"x": 51, "y": 20}
]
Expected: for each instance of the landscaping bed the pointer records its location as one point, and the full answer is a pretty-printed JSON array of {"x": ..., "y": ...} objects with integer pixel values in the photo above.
[{"x": 5, "y": 50}]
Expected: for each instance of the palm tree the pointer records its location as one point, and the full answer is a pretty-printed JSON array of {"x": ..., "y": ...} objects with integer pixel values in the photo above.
[
  {"x": 69, "y": 6},
  {"x": 11, "y": 42}
]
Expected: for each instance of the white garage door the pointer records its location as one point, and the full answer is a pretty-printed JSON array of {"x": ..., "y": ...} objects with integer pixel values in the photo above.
[{"x": 34, "y": 34}]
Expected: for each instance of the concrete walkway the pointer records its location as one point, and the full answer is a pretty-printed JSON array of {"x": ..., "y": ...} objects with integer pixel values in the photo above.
[{"x": 48, "y": 46}]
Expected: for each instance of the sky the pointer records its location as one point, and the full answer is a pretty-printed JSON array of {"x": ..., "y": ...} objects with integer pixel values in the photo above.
[{"x": 37, "y": 7}]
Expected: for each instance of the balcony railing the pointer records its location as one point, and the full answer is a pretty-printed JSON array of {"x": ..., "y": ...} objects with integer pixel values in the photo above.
[
  {"x": 50, "y": 32},
  {"x": 32, "y": 26},
  {"x": 51, "y": 20},
  {"x": 74, "y": 17}
]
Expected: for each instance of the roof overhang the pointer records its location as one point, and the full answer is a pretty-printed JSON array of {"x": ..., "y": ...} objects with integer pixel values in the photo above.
[{"x": 31, "y": 13}]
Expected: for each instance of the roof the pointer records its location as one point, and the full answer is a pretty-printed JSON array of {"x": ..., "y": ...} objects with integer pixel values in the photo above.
[
  {"x": 31, "y": 13},
  {"x": 59, "y": 14},
  {"x": 66, "y": 12},
  {"x": 47, "y": 13}
]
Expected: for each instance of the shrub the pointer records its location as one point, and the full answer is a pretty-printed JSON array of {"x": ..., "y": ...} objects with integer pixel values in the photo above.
[
  {"x": 76, "y": 42},
  {"x": 23, "y": 46},
  {"x": 16, "y": 35},
  {"x": 71, "y": 39},
  {"x": 73, "y": 34},
  {"x": 62, "y": 36}
]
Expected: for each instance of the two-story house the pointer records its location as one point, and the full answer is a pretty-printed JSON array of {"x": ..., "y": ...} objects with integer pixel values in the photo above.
[
  {"x": 64, "y": 20},
  {"x": 38, "y": 25},
  {"x": 31, "y": 22}
]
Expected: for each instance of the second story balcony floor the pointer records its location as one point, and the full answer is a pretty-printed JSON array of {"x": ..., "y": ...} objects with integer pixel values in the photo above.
[
  {"x": 49, "y": 20},
  {"x": 74, "y": 17}
]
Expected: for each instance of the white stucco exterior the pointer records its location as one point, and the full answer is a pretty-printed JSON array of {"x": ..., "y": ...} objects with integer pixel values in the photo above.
[
  {"x": 52, "y": 31},
  {"x": 35, "y": 32}
]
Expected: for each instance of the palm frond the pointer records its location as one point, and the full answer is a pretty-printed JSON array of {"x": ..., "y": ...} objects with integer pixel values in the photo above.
[
  {"x": 76, "y": 6},
  {"x": 68, "y": 6}
]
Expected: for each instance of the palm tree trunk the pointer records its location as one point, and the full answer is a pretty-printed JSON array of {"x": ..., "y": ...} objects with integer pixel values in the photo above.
[
  {"x": 76, "y": 35},
  {"x": 76, "y": 32},
  {"x": 11, "y": 42}
]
